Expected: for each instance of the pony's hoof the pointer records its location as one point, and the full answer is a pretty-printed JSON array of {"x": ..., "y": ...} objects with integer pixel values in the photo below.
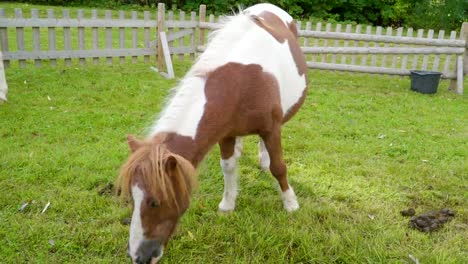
[
  {"x": 226, "y": 207},
  {"x": 289, "y": 200},
  {"x": 291, "y": 206}
]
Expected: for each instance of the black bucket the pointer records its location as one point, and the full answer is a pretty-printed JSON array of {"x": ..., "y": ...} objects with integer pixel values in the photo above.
[{"x": 425, "y": 82}]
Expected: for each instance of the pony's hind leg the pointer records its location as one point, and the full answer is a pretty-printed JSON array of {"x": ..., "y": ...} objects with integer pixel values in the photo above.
[
  {"x": 230, "y": 152},
  {"x": 238, "y": 147},
  {"x": 278, "y": 168},
  {"x": 263, "y": 156}
]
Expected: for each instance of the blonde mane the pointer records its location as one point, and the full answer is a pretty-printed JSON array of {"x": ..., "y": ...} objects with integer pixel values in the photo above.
[{"x": 150, "y": 162}]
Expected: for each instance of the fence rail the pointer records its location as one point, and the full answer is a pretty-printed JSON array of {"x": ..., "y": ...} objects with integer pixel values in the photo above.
[{"x": 351, "y": 48}]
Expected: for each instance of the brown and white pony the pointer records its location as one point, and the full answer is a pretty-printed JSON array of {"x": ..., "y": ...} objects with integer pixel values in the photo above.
[{"x": 250, "y": 80}]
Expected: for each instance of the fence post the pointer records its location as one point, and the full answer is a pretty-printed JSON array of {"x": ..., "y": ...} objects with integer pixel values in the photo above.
[
  {"x": 464, "y": 36},
  {"x": 3, "y": 83},
  {"x": 202, "y": 18},
  {"x": 461, "y": 63},
  {"x": 161, "y": 27},
  {"x": 4, "y": 37}
]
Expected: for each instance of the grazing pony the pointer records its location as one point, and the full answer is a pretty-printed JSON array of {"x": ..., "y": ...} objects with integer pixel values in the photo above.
[{"x": 250, "y": 80}]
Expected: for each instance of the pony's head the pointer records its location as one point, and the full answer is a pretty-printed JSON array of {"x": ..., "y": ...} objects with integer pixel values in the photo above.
[{"x": 159, "y": 183}]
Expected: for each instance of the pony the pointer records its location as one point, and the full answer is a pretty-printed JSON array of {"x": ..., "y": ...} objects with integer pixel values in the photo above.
[{"x": 251, "y": 79}]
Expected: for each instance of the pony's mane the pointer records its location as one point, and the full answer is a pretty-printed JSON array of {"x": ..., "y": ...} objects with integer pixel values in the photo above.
[
  {"x": 150, "y": 161},
  {"x": 221, "y": 41}
]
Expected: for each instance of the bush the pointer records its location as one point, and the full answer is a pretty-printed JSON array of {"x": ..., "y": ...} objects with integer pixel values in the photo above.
[
  {"x": 435, "y": 14},
  {"x": 448, "y": 14}
]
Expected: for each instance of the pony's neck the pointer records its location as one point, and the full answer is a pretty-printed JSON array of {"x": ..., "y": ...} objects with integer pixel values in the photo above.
[
  {"x": 185, "y": 109},
  {"x": 178, "y": 124}
]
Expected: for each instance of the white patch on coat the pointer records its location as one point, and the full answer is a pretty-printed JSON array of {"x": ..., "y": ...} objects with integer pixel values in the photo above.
[
  {"x": 184, "y": 110},
  {"x": 229, "y": 167},
  {"x": 136, "y": 227},
  {"x": 263, "y": 156},
  {"x": 289, "y": 200}
]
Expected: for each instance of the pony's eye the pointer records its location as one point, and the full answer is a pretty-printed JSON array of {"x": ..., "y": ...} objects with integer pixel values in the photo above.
[{"x": 154, "y": 204}]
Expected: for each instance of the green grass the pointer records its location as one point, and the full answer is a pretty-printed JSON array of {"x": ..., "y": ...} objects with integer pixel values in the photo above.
[
  {"x": 64, "y": 150},
  {"x": 361, "y": 145}
]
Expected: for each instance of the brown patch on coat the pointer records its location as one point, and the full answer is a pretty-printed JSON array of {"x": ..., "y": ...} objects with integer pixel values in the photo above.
[
  {"x": 292, "y": 27},
  {"x": 278, "y": 29},
  {"x": 240, "y": 100}
]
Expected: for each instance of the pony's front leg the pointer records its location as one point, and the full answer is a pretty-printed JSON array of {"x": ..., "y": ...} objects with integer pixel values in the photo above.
[
  {"x": 230, "y": 152},
  {"x": 278, "y": 168}
]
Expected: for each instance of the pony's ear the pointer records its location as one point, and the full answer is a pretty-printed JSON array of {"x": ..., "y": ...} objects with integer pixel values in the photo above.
[
  {"x": 133, "y": 143},
  {"x": 179, "y": 168},
  {"x": 170, "y": 164}
]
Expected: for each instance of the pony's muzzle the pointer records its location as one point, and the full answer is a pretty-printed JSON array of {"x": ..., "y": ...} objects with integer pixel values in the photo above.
[{"x": 149, "y": 251}]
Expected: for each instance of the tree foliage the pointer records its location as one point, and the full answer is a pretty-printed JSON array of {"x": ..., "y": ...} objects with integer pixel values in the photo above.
[{"x": 435, "y": 14}]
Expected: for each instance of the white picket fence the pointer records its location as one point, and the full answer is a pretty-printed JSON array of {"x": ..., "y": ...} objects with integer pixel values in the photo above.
[{"x": 351, "y": 48}]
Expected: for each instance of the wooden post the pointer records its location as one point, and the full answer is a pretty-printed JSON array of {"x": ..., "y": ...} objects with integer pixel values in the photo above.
[
  {"x": 435, "y": 66},
  {"x": 181, "y": 40},
  {"x": 193, "y": 17},
  {"x": 462, "y": 61},
  {"x": 146, "y": 34},
  {"x": 366, "y": 44},
  {"x": 448, "y": 58},
  {"x": 161, "y": 14},
  {"x": 3, "y": 84},
  {"x": 306, "y": 39},
  {"x": 336, "y": 43},
  {"x": 36, "y": 37},
  {"x": 167, "y": 56},
  {"x": 170, "y": 30},
  {"x": 66, "y": 36},
  {"x": 318, "y": 27},
  {"x": 81, "y": 37},
  {"x": 122, "y": 36},
  {"x": 404, "y": 63},
  {"x": 202, "y": 18},
  {"x": 325, "y": 42},
  {"x": 20, "y": 35},
  {"x": 108, "y": 16},
  {"x": 346, "y": 43},
  {"x": 52, "y": 42},
  {"x": 134, "y": 36},
  {"x": 378, "y": 32},
  {"x": 94, "y": 30},
  {"x": 4, "y": 37},
  {"x": 415, "y": 57},
  {"x": 430, "y": 35}
]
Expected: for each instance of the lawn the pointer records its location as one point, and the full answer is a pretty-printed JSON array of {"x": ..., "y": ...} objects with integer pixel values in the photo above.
[{"x": 361, "y": 149}]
